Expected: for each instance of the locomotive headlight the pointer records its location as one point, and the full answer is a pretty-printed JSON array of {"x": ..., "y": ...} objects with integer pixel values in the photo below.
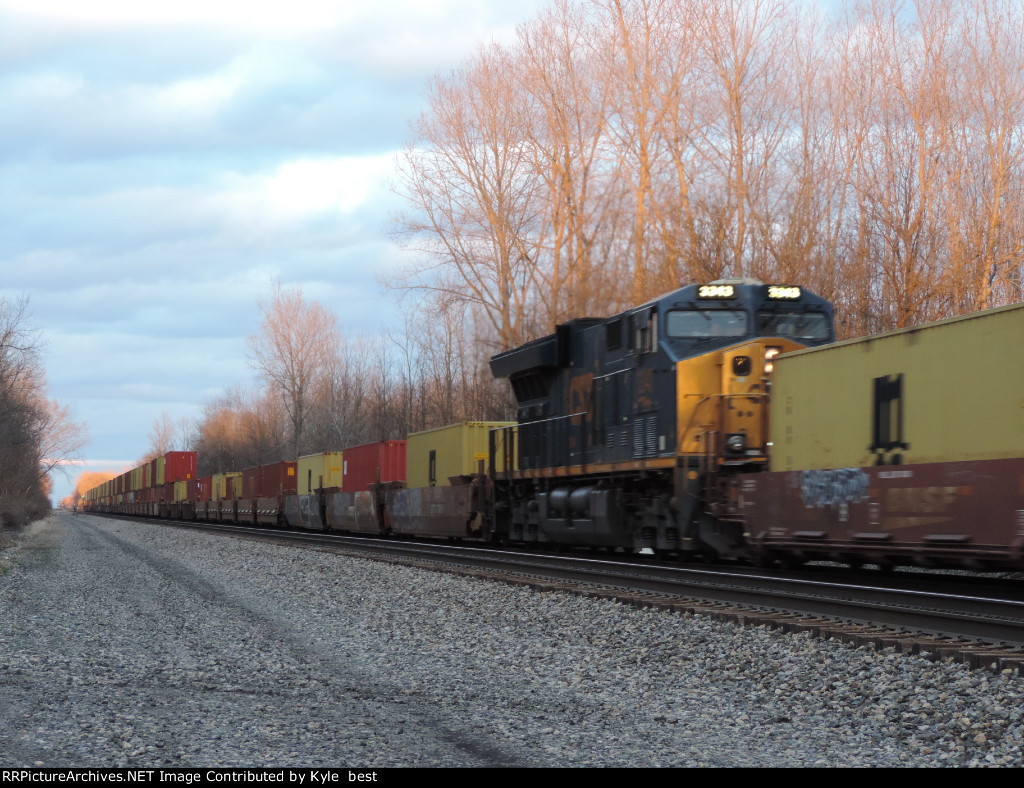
[
  {"x": 769, "y": 359},
  {"x": 736, "y": 442}
]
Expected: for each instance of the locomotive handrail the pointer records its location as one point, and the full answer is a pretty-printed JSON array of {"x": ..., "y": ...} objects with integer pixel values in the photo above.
[
  {"x": 508, "y": 441},
  {"x": 720, "y": 400},
  {"x": 541, "y": 421}
]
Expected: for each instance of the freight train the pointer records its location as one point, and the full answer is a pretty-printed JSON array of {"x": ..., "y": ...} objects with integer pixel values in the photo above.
[{"x": 721, "y": 420}]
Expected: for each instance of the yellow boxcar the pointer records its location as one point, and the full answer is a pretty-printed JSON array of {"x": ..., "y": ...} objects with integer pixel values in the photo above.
[
  {"x": 456, "y": 450},
  {"x": 319, "y": 471},
  {"x": 946, "y": 391}
]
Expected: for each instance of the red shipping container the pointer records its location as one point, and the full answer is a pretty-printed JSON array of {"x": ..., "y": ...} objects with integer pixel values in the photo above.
[
  {"x": 251, "y": 482},
  {"x": 179, "y": 466},
  {"x": 374, "y": 462},
  {"x": 276, "y": 479},
  {"x": 205, "y": 487}
]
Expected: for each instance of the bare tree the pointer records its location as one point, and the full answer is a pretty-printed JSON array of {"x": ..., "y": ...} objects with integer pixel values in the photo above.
[
  {"x": 60, "y": 438},
  {"x": 471, "y": 188},
  {"x": 37, "y": 435},
  {"x": 161, "y": 436},
  {"x": 186, "y": 434},
  {"x": 338, "y": 413},
  {"x": 986, "y": 212},
  {"x": 240, "y": 429},
  {"x": 569, "y": 92},
  {"x": 297, "y": 342}
]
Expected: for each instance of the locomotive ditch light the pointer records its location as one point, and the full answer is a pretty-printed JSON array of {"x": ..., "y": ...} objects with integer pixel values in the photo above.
[
  {"x": 736, "y": 442},
  {"x": 769, "y": 358}
]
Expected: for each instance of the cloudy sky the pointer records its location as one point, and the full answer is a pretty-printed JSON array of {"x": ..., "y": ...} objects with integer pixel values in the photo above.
[{"x": 162, "y": 163}]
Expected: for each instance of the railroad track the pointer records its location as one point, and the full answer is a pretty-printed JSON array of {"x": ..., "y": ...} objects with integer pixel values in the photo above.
[{"x": 976, "y": 620}]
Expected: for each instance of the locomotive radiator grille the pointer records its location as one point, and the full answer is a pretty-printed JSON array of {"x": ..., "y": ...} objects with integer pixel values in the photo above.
[{"x": 645, "y": 436}]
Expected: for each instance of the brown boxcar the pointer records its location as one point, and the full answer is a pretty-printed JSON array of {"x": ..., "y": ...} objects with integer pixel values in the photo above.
[
  {"x": 303, "y": 511},
  {"x": 967, "y": 514}
]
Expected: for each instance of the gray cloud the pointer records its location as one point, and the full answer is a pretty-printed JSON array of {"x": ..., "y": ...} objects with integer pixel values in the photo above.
[{"x": 158, "y": 174}]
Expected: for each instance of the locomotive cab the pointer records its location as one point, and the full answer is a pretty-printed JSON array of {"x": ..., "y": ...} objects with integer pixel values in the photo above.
[{"x": 723, "y": 391}]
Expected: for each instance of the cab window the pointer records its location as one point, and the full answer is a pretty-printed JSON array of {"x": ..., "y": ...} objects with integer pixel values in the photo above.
[
  {"x": 805, "y": 326},
  {"x": 704, "y": 323}
]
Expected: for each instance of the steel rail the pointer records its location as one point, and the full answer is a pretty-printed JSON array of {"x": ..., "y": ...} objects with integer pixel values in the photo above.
[{"x": 941, "y": 612}]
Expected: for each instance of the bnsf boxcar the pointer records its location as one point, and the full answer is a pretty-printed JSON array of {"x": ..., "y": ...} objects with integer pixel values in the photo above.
[{"x": 900, "y": 448}]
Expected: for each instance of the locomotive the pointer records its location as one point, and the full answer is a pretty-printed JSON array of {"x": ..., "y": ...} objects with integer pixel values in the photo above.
[
  {"x": 719, "y": 420},
  {"x": 627, "y": 425}
]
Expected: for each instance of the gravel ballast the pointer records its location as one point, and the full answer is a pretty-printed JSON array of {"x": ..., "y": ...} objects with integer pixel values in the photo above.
[{"x": 138, "y": 645}]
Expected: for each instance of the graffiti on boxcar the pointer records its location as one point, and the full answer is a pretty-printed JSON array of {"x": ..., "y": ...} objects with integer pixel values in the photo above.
[{"x": 821, "y": 489}]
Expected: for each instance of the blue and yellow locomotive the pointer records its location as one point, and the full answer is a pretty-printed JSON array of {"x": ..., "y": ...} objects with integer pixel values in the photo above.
[{"x": 627, "y": 424}]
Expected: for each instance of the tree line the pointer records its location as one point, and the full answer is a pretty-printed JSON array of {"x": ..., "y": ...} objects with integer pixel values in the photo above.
[
  {"x": 619, "y": 148},
  {"x": 320, "y": 391},
  {"x": 37, "y": 435}
]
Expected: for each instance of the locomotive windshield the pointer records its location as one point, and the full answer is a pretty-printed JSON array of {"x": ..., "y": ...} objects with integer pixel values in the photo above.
[
  {"x": 800, "y": 326},
  {"x": 704, "y": 323}
]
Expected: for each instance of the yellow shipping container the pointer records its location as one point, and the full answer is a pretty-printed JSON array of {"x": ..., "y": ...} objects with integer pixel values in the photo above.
[
  {"x": 180, "y": 491},
  {"x": 220, "y": 484},
  {"x": 943, "y": 392},
  {"x": 160, "y": 462},
  {"x": 316, "y": 471},
  {"x": 435, "y": 455}
]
